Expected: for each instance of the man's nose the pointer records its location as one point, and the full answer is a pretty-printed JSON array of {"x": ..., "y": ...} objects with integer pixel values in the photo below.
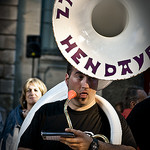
[{"x": 85, "y": 82}]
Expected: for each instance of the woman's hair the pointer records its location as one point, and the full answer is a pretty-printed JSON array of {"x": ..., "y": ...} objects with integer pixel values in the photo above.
[{"x": 36, "y": 82}]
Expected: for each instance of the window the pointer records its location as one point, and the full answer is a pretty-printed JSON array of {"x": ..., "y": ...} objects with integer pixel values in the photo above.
[{"x": 48, "y": 44}]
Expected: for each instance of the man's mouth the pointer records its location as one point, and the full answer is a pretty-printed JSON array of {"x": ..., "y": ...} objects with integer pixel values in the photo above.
[{"x": 83, "y": 95}]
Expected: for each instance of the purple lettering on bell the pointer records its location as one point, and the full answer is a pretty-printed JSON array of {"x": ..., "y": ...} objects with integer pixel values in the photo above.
[
  {"x": 139, "y": 60},
  {"x": 90, "y": 64},
  {"x": 125, "y": 66},
  {"x": 78, "y": 55},
  {"x": 63, "y": 13},
  {"x": 148, "y": 51},
  {"x": 67, "y": 42},
  {"x": 70, "y": 3},
  {"x": 110, "y": 70}
]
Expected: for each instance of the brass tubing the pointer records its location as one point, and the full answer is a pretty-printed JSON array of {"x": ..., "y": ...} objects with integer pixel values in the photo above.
[
  {"x": 67, "y": 115},
  {"x": 105, "y": 139}
]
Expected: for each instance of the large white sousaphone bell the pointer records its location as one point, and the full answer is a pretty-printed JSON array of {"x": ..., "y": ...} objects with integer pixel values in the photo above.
[{"x": 106, "y": 39}]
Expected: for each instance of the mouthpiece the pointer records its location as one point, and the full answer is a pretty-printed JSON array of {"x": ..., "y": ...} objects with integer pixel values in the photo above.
[{"x": 71, "y": 94}]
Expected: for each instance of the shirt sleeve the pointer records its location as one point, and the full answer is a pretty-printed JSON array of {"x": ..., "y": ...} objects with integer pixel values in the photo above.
[
  {"x": 127, "y": 136},
  {"x": 32, "y": 134}
]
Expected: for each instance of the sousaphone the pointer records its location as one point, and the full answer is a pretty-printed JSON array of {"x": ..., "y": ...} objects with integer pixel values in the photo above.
[{"x": 105, "y": 39}]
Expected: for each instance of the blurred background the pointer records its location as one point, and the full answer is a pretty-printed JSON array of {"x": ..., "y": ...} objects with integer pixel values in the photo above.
[{"x": 28, "y": 49}]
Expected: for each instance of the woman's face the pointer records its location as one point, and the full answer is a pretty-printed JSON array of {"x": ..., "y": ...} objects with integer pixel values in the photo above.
[{"x": 33, "y": 94}]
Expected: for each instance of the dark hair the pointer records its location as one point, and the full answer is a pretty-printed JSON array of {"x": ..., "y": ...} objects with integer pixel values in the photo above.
[
  {"x": 120, "y": 104},
  {"x": 69, "y": 68},
  {"x": 132, "y": 95}
]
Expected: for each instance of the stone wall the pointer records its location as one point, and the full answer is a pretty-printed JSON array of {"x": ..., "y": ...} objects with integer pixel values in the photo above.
[{"x": 8, "y": 24}]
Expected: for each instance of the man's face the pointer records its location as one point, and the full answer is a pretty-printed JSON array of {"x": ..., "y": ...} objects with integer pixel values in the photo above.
[{"x": 83, "y": 85}]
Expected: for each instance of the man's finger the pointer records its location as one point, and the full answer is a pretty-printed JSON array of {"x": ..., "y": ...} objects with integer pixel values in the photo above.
[{"x": 76, "y": 132}]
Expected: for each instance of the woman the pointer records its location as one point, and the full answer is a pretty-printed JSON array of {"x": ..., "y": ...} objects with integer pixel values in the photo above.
[{"x": 32, "y": 91}]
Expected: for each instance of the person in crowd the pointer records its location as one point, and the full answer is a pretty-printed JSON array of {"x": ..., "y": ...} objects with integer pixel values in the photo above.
[
  {"x": 32, "y": 91},
  {"x": 119, "y": 107},
  {"x": 85, "y": 115},
  {"x": 139, "y": 124},
  {"x": 134, "y": 95}
]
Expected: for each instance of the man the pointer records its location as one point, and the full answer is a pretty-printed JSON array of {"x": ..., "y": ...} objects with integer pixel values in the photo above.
[
  {"x": 85, "y": 115},
  {"x": 139, "y": 124},
  {"x": 134, "y": 95}
]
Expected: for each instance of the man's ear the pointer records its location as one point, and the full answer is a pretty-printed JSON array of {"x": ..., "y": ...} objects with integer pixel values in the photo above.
[
  {"x": 132, "y": 104},
  {"x": 66, "y": 78}
]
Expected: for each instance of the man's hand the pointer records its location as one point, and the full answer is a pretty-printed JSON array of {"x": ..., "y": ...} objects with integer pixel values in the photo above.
[{"x": 81, "y": 141}]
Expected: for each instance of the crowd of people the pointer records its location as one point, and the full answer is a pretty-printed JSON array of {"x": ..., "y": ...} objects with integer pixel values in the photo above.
[
  {"x": 85, "y": 114},
  {"x": 135, "y": 108},
  {"x": 133, "y": 96}
]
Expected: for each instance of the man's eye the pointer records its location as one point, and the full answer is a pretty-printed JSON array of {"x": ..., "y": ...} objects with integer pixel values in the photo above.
[
  {"x": 80, "y": 77},
  {"x": 91, "y": 78}
]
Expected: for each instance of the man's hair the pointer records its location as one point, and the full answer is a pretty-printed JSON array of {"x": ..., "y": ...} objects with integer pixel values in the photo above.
[
  {"x": 131, "y": 95},
  {"x": 69, "y": 68}
]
